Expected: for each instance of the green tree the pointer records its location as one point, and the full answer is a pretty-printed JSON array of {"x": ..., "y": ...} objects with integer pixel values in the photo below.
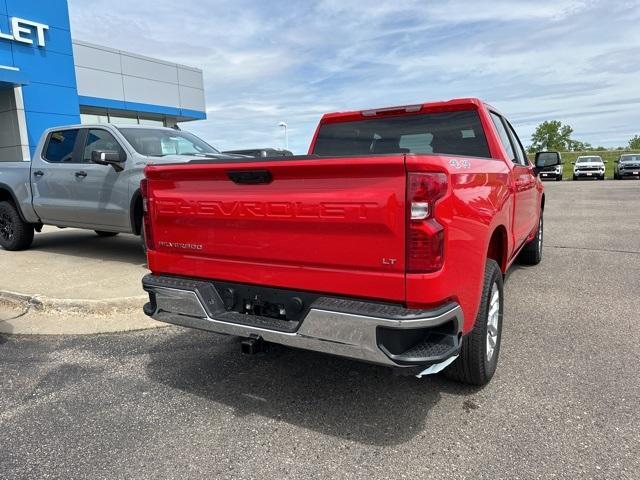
[
  {"x": 634, "y": 143},
  {"x": 577, "y": 146},
  {"x": 552, "y": 135}
]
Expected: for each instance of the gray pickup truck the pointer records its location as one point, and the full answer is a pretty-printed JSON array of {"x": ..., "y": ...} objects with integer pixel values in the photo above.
[{"x": 87, "y": 176}]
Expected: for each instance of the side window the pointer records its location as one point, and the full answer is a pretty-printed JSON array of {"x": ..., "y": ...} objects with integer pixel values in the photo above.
[
  {"x": 98, "y": 139},
  {"x": 504, "y": 136},
  {"x": 60, "y": 145},
  {"x": 521, "y": 155}
]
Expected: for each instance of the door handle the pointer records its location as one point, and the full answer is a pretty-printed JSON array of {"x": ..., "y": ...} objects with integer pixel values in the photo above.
[
  {"x": 38, "y": 173},
  {"x": 81, "y": 173}
]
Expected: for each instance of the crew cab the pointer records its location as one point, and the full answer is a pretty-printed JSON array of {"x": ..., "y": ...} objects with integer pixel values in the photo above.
[
  {"x": 589, "y": 166},
  {"x": 87, "y": 176},
  {"x": 628, "y": 165},
  {"x": 387, "y": 243}
]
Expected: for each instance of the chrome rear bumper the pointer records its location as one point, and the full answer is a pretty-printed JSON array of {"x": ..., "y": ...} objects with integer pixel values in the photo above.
[{"x": 359, "y": 330}]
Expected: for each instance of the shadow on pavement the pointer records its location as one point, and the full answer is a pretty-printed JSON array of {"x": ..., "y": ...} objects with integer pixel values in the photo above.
[
  {"x": 329, "y": 395},
  {"x": 86, "y": 244}
]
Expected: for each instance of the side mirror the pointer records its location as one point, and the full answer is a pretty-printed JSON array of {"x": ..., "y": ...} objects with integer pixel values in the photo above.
[{"x": 108, "y": 157}]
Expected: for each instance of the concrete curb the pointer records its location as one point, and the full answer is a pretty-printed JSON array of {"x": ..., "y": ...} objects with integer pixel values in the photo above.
[
  {"x": 75, "y": 306},
  {"x": 42, "y": 315}
]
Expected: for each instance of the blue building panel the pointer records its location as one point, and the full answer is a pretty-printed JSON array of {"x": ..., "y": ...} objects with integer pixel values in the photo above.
[
  {"x": 42, "y": 97},
  {"x": 10, "y": 78},
  {"x": 46, "y": 67},
  {"x": 6, "y": 52},
  {"x": 54, "y": 13},
  {"x": 57, "y": 40},
  {"x": 6, "y": 56}
]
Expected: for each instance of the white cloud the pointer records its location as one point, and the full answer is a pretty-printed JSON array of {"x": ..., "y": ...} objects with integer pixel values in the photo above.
[{"x": 265, "y": 62}]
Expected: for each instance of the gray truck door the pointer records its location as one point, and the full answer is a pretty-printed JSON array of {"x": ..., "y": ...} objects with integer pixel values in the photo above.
[
  {"x": 102, "y": 192},
  {"x": 53, "y": 178}
]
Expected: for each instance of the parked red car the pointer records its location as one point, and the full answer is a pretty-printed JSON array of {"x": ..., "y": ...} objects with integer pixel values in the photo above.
[{"x": 387, "y": 243}]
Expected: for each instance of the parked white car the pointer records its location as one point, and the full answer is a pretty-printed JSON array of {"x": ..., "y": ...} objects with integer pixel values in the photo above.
[{"x": 591, "y": 166}]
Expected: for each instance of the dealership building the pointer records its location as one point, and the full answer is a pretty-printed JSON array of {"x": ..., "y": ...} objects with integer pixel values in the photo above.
[{"x": 48, "y": 79}]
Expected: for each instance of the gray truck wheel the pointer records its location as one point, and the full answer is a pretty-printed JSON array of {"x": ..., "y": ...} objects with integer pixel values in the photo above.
[
  {"x": 532, "y": 252},
  {"x": 15, "y": 234},
  {"x": 102, "y": 233},
  {"x": 480, "y": 349}
]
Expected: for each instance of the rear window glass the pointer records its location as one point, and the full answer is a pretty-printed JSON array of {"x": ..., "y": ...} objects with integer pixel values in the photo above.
[
  {"x": 452, "y": 133},
  {"x": 589, "y": 159},
  {"x": 60, "y": 146}
]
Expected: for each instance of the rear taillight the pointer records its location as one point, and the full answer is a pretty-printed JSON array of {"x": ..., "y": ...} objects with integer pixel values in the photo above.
[
  {"x": 425, "y": 236},
  {"x": 146, "y": 215}
]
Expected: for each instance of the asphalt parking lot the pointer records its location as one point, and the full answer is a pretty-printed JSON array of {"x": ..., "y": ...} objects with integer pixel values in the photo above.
[{"x": 174, "y": 403}]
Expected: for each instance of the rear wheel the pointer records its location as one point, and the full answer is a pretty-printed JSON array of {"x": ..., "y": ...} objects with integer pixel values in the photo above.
[
  {"x": 102, "y": 233},
  {"x": 559, "y": 178},
  {"x": 480, "y": 349},
  {"x": 15, "y": 234},
  {"x": 532, "y": 252},
  {"x": 575, "y": 178}
]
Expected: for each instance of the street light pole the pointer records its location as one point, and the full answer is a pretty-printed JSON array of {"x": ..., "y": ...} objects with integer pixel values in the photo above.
[{"x": 286, "y": 134}]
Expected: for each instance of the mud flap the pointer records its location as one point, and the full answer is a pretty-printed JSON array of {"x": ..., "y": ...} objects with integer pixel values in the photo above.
[{"x": 438, "y": 367}]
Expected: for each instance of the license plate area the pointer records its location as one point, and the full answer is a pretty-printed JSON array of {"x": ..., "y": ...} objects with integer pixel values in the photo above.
[
  {"x": 278, "y": 304},
  {"x": 264, "y": 308}
]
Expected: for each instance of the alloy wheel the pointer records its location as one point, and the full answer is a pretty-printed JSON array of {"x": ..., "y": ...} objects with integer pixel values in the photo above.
[
  {"x": 6, "y": 227},
  {"x": 493, "y": 319}
]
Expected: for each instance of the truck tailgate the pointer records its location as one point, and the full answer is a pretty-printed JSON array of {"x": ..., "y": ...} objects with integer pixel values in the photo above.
[{"x": 330, "y": 225}]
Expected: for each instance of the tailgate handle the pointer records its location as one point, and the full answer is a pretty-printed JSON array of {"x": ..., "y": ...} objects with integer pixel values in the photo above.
[{"x": 250, "y": 177}]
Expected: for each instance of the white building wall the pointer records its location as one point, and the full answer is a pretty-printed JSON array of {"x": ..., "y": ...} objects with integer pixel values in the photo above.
[{"x": 113, "y": 74}]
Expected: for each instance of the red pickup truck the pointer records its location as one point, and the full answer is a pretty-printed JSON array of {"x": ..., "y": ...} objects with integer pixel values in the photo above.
[{"x": 387, "y": 243}]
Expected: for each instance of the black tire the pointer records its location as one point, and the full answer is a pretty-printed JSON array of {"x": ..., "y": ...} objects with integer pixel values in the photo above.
[
  {"x": 602, "y": 177},
  {"x": 559, "y": 178},
  {"x": 532, "y": 252},
  {"x": 575, "y": 178},
  {"x": 102, "y": 233},
  {"x": 15, "y": 234},
  {"x": 475, "y": 366},
  {"x": 615, "y": 176}
]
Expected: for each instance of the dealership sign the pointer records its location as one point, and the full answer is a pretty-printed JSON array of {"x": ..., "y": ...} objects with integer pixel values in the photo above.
[{"x": 26, "y": 31}]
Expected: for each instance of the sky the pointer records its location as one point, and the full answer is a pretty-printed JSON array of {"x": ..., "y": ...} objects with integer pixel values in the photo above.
[{"x": 264, "y": 62}]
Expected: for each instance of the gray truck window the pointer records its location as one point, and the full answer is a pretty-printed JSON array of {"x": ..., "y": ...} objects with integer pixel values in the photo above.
[
  {"x": 98, "y": 139},
  {"x": 157, "y": 142},
  {"x": 504, "y": 136},
  {"x": 60, "y": 146},
  {"x": 448, "y": 133}
]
